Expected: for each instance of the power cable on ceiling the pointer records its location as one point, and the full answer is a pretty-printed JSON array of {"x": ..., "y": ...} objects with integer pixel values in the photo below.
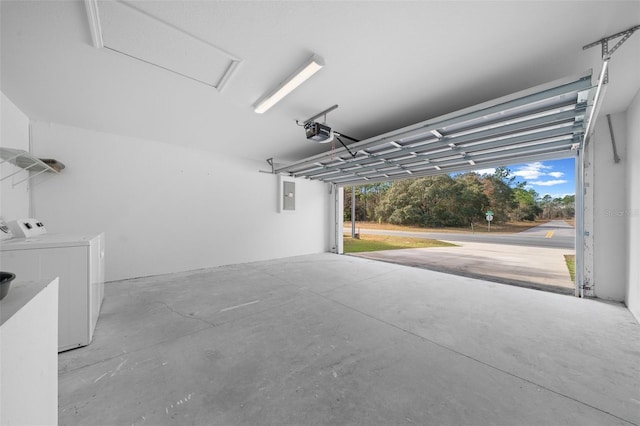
[{"x": 346, "y": 147}]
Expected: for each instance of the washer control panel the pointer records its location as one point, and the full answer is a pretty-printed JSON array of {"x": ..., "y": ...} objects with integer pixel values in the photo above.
[{"x": 26, "y": 228}]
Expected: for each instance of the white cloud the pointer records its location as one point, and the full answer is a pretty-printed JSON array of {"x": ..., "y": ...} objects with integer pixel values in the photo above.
[
  {"x": 485, "y": 171},
  {"x": 549, "y": 182},
  {"x": 532, "y": 171}
]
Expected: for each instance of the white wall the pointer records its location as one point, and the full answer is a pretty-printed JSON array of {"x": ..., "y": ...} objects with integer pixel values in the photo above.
[
  {"x": 14, "y": 133},
  {"x": 632, "y": 294},
  {"x": 166, "y": 208},
  {"x": 608, "y": 231}
]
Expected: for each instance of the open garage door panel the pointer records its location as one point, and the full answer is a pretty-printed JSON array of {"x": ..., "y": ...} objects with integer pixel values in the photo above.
[{"x": 545, "y": 122}]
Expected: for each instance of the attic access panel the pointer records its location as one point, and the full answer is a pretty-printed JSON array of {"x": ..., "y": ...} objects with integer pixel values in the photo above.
[
  {"x": 545, "y": 122},
  {"x": 123, "y": 27}
]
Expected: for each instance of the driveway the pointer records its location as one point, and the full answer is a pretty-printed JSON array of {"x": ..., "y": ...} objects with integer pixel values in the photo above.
[{"x": 523, "y": 265}]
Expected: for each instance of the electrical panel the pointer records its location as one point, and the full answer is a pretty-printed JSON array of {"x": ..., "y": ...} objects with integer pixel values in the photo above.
[{"x": 288, "y": 195}]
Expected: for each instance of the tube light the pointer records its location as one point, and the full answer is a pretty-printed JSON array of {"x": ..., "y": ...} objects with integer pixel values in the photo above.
[{"x": 308, "y": 69}]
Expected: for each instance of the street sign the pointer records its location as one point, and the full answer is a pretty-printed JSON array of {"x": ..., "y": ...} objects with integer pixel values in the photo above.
[{"x": 489, "y": 215}]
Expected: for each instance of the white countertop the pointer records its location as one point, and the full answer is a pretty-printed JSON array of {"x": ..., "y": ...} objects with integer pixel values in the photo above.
[
  {"x": 20, "y": 293},
  {"x": 47, "y": 241}
]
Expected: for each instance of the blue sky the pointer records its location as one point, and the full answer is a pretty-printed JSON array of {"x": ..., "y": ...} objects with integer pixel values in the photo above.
[{"x": 555, "y": 177}]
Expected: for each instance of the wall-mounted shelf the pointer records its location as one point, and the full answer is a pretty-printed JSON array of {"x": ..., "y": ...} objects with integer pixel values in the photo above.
[{"x": 26, "y": 161}]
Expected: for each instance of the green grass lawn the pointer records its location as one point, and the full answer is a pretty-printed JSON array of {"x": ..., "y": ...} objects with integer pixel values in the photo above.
[
  {"x": 570, "y": 259},
  {"x": 388, "y": 242}
]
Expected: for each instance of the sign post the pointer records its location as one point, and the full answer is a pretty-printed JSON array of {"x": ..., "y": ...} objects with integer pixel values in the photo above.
[{"x": 489, "y": 216}]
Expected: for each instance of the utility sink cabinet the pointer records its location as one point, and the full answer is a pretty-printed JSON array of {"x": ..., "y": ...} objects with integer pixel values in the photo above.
[{"x": 28, "y": 353}]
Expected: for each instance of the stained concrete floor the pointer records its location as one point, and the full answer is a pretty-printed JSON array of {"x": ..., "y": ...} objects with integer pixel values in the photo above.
[{"x": 328, "y": 339}]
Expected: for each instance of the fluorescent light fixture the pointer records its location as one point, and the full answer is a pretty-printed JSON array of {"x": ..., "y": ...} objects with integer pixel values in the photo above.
[
  {"x": 438, "y": 168},
  {"x": 473, "y": 163},
  {"x": 396, "y": 144},
  {"x": 308, "y": 69},
  {"x": 437, "y": 134}
]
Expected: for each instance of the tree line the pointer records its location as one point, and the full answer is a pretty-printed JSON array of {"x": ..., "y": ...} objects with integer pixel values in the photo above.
[{"x": 457, "y": 200}]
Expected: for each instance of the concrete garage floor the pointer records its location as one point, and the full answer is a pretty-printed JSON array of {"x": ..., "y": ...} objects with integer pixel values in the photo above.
[{"x": 329, "y": 339}]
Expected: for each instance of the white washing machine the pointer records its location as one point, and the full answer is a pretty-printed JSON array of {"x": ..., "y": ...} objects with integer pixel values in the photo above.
[{"x": 78, "y": 260}]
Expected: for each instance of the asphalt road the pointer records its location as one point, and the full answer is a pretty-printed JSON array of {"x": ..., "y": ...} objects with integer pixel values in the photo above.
[{"x": 554, "y": 234}]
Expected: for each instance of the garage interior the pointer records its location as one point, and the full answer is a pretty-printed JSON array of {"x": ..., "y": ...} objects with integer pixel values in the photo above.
[
  {"x": 227, "y": 303},
  {"x": 326, "y": 339}
]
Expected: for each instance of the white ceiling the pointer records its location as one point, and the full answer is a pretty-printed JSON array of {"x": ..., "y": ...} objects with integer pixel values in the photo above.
[{"x": 389, "y": 64}]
